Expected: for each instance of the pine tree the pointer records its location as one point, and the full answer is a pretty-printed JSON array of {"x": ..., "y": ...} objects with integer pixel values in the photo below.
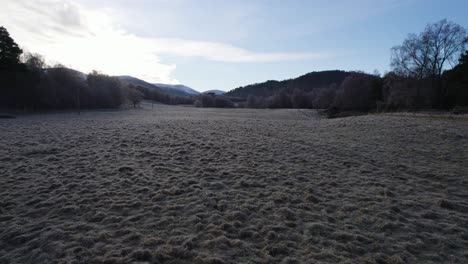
[{"x": 9, "y": 50}]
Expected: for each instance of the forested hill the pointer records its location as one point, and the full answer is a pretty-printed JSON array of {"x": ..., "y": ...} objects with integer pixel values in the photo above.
[
  {"x": 162, "y": 88},
  {"x": 305, "y": 83}
]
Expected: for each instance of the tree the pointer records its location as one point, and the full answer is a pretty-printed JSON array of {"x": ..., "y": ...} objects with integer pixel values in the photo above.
[
  {"x": 426, "y": 54},
  {"x": 251, "y": 101},
  {"x": 9, "y": 50},
  {"x": 107, "y": 90},
  {"x": 300, "y": 99},
  {"x": 411, "y": 59},
  {"x": 463, "y": 58},
  {"x": 222, "y": 102},
  {"x": 358, "y": 92},
  {"x": 35, "y": 80},
  {"x": 322, "y": 98},
  {"x": 400, "y": 92},
  {"x": 280, "y": 100},
  {"x": 34, "y": 61},
  {"x": 66, "y": 89},
  {"x": 456, "y": 82},
  {"x": 134, "y": 95},
  {"x": 207, "y": 100}
]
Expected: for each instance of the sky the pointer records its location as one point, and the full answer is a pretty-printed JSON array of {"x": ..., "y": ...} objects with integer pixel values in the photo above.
[{"x": 220, "y": 44}]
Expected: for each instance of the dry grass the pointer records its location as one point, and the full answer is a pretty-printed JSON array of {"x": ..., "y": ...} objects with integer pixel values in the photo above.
[
  {"x": 186, "y": 185},
  {"x": 431, "y": 115}
]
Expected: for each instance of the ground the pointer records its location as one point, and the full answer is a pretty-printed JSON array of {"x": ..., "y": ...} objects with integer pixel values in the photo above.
[{"x": 188, "y": 185}]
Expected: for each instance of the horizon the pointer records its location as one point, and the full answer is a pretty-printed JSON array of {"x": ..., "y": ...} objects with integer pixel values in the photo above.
[{"x": 182, "y": 42}]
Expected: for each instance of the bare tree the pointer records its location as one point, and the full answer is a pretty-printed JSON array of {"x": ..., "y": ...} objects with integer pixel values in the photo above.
[
  {"x": 300, "y": 99},
  {"x": 411, "y": 59},
  {"x": 323, "y": 97},
  {"x": 108, "y": 91},
  {"x": 427, "y": 54},
  {"x": 34, "y": 60},
  {"x": 358, "y": 92},
  {"x": 251, "y": 101},
  {"x": 133, "y": 95}
]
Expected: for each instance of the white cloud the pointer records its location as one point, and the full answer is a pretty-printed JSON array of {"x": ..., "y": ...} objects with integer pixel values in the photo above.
[
  {"x": 66, "y": 32},
  {"x": 222, "y": 52}
]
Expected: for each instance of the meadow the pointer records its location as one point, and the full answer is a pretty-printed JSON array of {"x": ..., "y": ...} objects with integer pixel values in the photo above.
[{"x": 198, "y": 185}]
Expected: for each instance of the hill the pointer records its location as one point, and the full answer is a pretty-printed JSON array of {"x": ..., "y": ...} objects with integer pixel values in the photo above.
[
  {"x": 305, "y": 82},
  {"x": 178, "y": 87},
  {"x": 166, "y": 89}
]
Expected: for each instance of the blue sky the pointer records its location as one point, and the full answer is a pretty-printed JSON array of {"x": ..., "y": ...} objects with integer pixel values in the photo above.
[{"x": 220, "y": 44}]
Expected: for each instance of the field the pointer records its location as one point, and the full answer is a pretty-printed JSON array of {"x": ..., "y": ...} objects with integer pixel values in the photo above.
[{"x": 189, "y": 185}]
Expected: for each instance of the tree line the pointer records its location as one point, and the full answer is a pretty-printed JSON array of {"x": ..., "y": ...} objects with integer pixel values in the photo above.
[
  {"x": 429, "y": 70},
  {"x": 29, "y": 84},
  {"x": 420, "y": 78},
  {"x": 306, "y": 83}
]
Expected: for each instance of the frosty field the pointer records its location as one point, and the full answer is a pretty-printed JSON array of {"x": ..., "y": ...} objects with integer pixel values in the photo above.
[{"x": 190, "y": 185}]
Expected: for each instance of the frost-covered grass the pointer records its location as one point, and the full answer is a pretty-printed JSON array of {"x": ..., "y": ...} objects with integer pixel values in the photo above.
[{"x": 189, "y": 185}]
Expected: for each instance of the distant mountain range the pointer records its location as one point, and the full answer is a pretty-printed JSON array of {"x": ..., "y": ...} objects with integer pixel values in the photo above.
[
  {"x": 306, "y": 82},
  {"x": 175, "y": 90},
  {"x": 171, "y": 89}
]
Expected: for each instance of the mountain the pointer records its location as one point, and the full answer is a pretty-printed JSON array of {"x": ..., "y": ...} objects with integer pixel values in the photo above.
[
  {"x": 179, "y": 87},
  {"x": 167, "y": 89},
  {"x": 306, "y": 82},
  {"x": 136, "y": 81},
  {"x": 217, "y": 92}
]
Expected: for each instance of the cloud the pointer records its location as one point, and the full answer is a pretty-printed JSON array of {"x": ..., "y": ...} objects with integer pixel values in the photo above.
[
  {"x": 67, "y": 32},
  {"x": 223, "y": 52}
]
